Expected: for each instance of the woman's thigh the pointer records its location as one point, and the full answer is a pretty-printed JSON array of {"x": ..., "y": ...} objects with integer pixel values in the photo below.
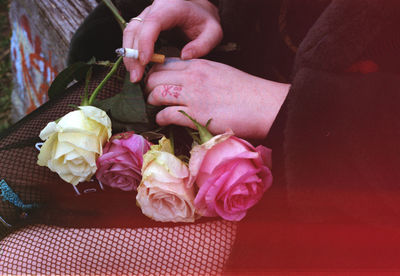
[{"x": 191, "y": 249}]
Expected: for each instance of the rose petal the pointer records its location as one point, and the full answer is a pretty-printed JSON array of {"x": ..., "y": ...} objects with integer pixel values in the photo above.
[
  {"x": 107, "y": 157},
  {"x": 162, "y": 206},
  {"x": 205, "y": 199},
  {"x": 198, "y": 153},
  {"x": 173, "y": 165},
  {"x": 136, "y": 144},
  {"x": 249, "y": 188},
  {"x": 50, "y": 129},
  {"x": 240, "y": 171},
  {"x": 114, "y": 147},
  {"x": 227, "y": 150},
  {"x": 75, "y": 122},
  {"x": 47, "y": 150},
  {"x": 97, "y": 115},
  {"x": 90, "y": 157},
  {"x": 265, "y": 154},
  {"x": 225, "y": 164},
  {"x": 85, "y": 142}
]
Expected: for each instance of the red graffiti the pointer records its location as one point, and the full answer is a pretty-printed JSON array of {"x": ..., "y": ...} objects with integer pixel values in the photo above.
[{"x": 32, "y": 64}]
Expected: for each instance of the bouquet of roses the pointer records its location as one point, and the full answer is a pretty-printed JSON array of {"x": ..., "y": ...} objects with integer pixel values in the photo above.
[{"x": 224, "y": 176}]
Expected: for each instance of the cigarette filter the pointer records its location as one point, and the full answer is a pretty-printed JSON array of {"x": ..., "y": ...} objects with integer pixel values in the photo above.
[{"x": 133, "y": 53}]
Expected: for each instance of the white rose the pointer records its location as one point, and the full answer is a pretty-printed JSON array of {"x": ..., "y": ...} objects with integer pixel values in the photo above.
[
  {"x": 73, "y": 144},
  {"x": 163, "y": 194}
]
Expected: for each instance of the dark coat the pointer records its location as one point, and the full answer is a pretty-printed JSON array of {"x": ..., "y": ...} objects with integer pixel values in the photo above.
[{"x": 335, "y": 201}]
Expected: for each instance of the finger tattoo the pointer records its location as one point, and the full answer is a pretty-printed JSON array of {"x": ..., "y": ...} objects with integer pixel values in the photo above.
[{"x": 171, "y": 90}]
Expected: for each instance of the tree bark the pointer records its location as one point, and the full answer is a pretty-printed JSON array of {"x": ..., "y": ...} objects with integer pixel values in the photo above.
[{"x": 41, "y": 32}]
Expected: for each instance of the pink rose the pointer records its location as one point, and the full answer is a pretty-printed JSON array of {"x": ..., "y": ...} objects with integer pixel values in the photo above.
[
  {"x": 231, "y": 174},
  {"x": 163, "y": 194},
  {"x": 121, "y": 163}
]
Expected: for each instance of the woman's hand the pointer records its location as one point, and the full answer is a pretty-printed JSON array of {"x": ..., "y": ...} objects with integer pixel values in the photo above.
[
  {"x": 198, "y": 19},
  {"x": 209, "y": 90}
]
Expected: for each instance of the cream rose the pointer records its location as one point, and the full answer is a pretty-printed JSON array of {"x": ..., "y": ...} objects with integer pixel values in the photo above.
[
  {"x": 163, "y": 193},
  {"x": 73, "y": 144}
]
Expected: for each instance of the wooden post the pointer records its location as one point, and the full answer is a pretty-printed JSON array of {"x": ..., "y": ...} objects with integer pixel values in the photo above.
[{"x": 41, "y": 32}]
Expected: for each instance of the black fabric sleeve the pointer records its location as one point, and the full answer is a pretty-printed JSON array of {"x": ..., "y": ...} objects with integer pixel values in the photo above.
[
  {"x": 342, "y": 148},
  {"x": 215, "y": 2},
  {"x": 341, "y": 158},
  {"x": 338, "y": 165}
]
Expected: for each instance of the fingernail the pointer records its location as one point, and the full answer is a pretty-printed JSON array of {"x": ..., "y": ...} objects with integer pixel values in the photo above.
[{"x": 188, "y": 54}]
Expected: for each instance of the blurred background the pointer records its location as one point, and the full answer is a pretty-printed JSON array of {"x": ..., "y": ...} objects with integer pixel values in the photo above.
[{"x": 5, "y": 66}]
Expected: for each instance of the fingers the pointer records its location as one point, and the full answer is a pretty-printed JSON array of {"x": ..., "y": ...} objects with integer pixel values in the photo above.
[
  {"x": 164, "y": 15},
  {"x": 170, "y": 64},
  {"x": 164, "y": 77},
  {"x": 165, "y": 85},
  {"x": 204, "y": 43},
  {"x": 167, "y": 94},
  {"x": 171, "y": 115},
  {"x": 146, "y": 39},
  {"x": 129, "y": 40},
  {"x": 198, "y": 20},
  {"x": 142, "y": 36}
]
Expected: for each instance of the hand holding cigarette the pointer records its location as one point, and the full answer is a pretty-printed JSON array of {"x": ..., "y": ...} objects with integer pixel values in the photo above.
[
  {"x": 199, "y": 20},
  {"x": 133, "y": 53}
]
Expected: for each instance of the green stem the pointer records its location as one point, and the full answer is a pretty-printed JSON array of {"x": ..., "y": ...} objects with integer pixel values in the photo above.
[
  {"x": 194, "y": 135},
  {"x": 204, "y": 134},
  {"x": 114, "y": 10},
  {"x": 100, "y": 86},
  {"x": 85, "y": 100},
  {"x": 171, "y": 140}
]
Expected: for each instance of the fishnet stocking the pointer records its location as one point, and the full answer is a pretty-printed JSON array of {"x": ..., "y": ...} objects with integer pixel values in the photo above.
[
  {"x": 18, "y": 154},
  {"x": 195, "y": 249},
  {"x": 200, "y": 248}
]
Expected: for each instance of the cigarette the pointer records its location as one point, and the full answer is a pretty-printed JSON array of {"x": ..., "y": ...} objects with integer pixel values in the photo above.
[{"x": 133, "y": 53}]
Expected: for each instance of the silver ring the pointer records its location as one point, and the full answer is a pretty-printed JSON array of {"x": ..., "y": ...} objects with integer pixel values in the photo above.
[{"x": 137, "y": 19}]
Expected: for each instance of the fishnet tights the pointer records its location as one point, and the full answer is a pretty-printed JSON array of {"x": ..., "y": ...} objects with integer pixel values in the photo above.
[
  {"x": 200, "y": 248},
  {"x": 195, "y": 249}
]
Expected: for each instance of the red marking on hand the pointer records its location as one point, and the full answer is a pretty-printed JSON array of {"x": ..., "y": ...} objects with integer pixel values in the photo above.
[{"x": 171, "y": 90}]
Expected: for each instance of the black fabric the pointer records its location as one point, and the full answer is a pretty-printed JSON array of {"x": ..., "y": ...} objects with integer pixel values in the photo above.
[
  {"x": 267, "y": 34},
  {"x": 340, "y": 152},
  {"x": 347, "y": 124},
  {"x": 345, "y": 31},
  {"x": 100, "y": 34},
  {"x": 344, "y": 162}
]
